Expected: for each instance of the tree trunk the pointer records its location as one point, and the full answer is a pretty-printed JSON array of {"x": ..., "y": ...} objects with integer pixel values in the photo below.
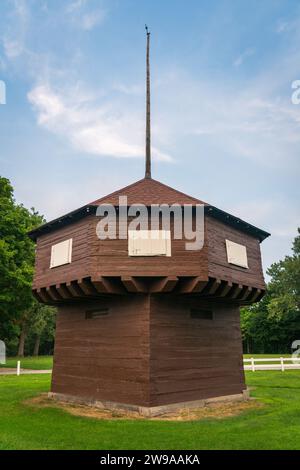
[
  {"x": 22, "y": 342},
  {"x": 36, "y": 346}
]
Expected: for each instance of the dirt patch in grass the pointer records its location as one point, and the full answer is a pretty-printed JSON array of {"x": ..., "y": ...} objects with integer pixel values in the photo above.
[{"x": 212, "y": 411}]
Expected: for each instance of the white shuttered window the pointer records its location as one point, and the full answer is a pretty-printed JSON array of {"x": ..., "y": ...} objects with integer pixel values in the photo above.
[
  {"x": 61, "y": 253},
  {"x": 149, "y": 243},
  {"x": 236, "y": 254}
]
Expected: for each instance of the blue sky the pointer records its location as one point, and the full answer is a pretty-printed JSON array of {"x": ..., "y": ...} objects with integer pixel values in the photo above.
[{"x": 224, "y": 128}]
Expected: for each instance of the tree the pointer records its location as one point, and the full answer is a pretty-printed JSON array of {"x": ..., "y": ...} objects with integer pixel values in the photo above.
[
  {"x": 35, "y": 323},
  {"x": 284, "y": 294},
  {"x": 272, "y": 324},
  {"x": 42, "y": 323},
  {"x": 16, "y": 262}
]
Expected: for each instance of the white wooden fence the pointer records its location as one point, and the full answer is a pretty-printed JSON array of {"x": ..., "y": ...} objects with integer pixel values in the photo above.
[{"x": 272, "y": 363}]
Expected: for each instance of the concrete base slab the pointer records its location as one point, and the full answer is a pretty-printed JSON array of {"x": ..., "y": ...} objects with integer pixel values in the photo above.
[{"x": 144, "y": 410}]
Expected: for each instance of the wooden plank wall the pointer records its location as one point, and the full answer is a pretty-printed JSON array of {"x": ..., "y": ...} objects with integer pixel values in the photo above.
[
  {"x": 94, "y": 257},
  {"x": 111, "y": 258},
  {"x": 147, "y": 358},
  {"x": 216, "y": 234},
  {"x": 79, "y": 267},
  {"x": 193, "y": 359},
  {"x": 105, "y": 358}
]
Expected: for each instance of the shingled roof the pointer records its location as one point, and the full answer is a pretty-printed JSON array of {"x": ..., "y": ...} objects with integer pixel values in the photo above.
[{"x": 148, "y": 191}]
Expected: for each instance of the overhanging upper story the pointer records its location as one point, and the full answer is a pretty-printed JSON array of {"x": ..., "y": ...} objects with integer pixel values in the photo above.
[{"x": 72, "y": 263}]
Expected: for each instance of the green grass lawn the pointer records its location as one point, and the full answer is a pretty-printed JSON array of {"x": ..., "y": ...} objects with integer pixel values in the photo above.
[
  {"x": 274, "y": 426},
  {"x": 40, "y": 362}
]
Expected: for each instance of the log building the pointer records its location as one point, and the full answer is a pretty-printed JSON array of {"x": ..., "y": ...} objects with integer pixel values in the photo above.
[{"x": 144, "y": 325}]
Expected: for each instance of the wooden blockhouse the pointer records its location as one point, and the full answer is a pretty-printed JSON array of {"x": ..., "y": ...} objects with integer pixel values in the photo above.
[{"x": 147, "y": 329}]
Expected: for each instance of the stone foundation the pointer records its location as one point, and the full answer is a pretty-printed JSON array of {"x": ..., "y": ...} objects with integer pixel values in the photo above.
[{"x": 148, "y": 411}]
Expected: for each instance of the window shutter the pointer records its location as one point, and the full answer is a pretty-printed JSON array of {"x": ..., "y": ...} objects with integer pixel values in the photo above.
[
  {"x": 61, "y": 253},
  {"x": 149, "y": 243},
  {"x": 236, "y": 254}
]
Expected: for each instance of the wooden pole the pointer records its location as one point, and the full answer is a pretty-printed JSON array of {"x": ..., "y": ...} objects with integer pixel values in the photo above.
[{"x": 148, "y": 128}]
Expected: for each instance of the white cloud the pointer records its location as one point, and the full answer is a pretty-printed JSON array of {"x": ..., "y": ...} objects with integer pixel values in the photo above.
[
  {"x": 252, "y": 123},
  {"x": 282, "y": 26},
  {"x": 75, "y": 5},
  {"x": 13, "y": 39},
  {"x": 84, "y": 18},
  {"x": 2, "y": 64},
  {"x": 243, "y": 56},
  {"x": 275, "y": 215},
  {"x": 96, "y": 130},
  {"x": 135, "y": 89},
  {"x": 12, "y": 48},
  {"x": 21, "y": 10},
  {"x": 92, "y": 19},
  {"x": 60, "y": 198}
]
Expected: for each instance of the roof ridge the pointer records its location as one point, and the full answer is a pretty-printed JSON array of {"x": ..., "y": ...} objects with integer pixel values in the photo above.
[{"x": 147, "y": 181}]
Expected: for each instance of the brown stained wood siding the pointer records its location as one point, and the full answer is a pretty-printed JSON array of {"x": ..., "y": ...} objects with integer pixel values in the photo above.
[
  {"x": 148, "y": 351},
  {"x": 111, "y": 259},
  {"x": 105, "y": 358},
  {"x": 81, "y": 262},
  {"x": 193, "y": 359},
  {"x": 94, "y": 257},
  {"x": 218, "y": 266}
]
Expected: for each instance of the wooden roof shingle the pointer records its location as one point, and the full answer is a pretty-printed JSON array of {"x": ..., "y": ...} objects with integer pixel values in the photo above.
[{"x": 147, "y": 191}]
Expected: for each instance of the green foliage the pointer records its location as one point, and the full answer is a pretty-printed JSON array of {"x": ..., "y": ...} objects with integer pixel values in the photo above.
[
  {"x": 274, "y": 323},
  {"x": 40, "y": 324},
  {"x": 17, "y": 305},
  {"x": 16, "y": 250}
]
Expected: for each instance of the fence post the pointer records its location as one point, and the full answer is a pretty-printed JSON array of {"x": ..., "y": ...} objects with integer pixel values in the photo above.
[
  {"x": 18, "y": 368},
  {"x": 282, "y": 364},
  {"x": 252, "y": 364}
]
